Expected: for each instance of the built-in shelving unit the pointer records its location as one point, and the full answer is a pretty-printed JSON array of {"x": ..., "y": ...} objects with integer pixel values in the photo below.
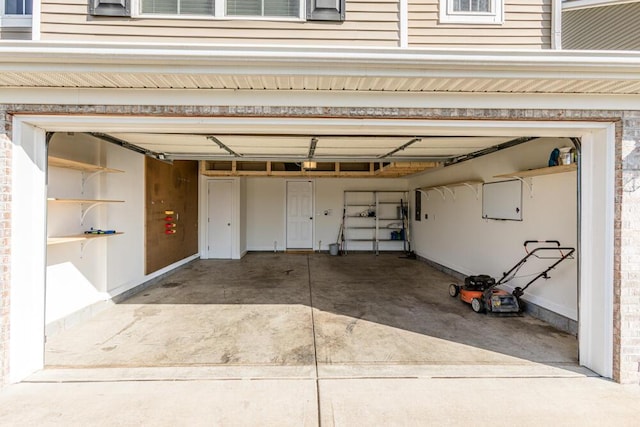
[
  {"x": 88, "y": 171},
  {"x": 374, "y": 217}
]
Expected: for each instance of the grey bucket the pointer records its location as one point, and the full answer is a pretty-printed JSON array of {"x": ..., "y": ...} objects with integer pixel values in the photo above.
[{"x": 333, "y": 248}]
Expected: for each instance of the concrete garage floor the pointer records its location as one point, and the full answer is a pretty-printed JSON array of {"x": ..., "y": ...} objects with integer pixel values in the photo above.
[
  {"x": 368, "y": 312},
  {"x": 276, "y": 339}
]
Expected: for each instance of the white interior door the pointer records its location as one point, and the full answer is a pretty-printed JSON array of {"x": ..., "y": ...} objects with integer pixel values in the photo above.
[
  {"x": 220, "y": 214},
  {"x": 299, "y": 215}
]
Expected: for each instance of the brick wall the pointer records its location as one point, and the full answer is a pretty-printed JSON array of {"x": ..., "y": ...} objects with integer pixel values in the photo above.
[
  {"x": 627, "y": 192},
  {"x": 627, "y": 297}
]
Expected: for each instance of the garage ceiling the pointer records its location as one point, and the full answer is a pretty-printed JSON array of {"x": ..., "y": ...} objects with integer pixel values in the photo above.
[{"x": 333, "y": 148}]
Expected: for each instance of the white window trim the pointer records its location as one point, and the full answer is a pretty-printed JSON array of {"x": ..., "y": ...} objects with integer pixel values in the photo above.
[
  {"x": 15, "y": 21},
  {"x": 448, "y": 16},
  {"x": 219, "y": 10}
]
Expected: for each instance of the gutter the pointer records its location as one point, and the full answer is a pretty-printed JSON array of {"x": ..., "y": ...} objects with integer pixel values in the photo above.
[
  {"x": 587, "y": 4},
  {"x": 556, "y": 25},
  {"x": 47, "y": 57}
]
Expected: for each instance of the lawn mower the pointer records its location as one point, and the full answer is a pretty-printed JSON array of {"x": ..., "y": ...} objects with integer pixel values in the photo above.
[{"x": 482, "y": 291}]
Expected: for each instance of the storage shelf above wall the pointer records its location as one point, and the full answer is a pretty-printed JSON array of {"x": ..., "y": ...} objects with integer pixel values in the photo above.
[
  {"x": 453, "y": 184},
  {"x": 541, "y": 171},
  {"x": 321, "y": 169},
  {"x": 79, "y": 166},
  {"x": 81, "y": 201},
  {"x": 471, "y": 184},
  {"x": 77, "y": 238}
]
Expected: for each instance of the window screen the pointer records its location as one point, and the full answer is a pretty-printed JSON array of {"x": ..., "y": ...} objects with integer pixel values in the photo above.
[
  {"x": 471, "y": 6},
  {"x": 285, "y": 8},
  {"x": 17, "y": 7}
]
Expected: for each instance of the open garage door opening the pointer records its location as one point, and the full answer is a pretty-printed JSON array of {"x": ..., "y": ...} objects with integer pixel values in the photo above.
[{"x": 443, "y": 174}]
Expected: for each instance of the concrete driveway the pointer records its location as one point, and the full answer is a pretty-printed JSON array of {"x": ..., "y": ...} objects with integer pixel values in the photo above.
[{"x": 276, "y": 339}]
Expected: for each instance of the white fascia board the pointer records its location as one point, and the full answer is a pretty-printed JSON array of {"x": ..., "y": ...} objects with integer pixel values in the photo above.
[
  {"x": 586, "y": 4},
  {"x": 272, "y": 60},
  {"x": 368, "y": 99},
  {"x": 66, "y": 123}
]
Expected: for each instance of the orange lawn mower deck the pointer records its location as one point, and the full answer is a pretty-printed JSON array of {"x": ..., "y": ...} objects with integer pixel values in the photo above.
[{"x": 482, "y": 291}]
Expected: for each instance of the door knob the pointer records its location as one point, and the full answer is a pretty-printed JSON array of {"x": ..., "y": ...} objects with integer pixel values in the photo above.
[{"x": 228, "y": 224}]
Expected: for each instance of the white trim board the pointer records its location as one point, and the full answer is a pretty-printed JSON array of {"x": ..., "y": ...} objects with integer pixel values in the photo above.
[
  {"x": 409, "y": 127},
  {"x": 27, "y": 332},
  {"x": 266, "y": 98}
]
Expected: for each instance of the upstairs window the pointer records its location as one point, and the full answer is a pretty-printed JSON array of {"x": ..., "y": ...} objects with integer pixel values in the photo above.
[
  {"x": 471, "y": 12},
  {"x": 461, "y": 6},
  {"x": 273, "y": 8},
  {"x": 316, "y": 10},
  {"x": 15, "y": 13},
  {"x": 231, "y": 8},
  {"x": 17, "y": 7},
  {"x": 177, "y": 7}
]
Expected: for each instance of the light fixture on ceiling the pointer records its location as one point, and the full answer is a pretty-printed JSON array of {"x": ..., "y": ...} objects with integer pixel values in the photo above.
[{"x": 309, "y": 165}]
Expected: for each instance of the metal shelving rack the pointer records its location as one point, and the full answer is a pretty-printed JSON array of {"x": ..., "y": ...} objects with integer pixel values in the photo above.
[{"x": 372, "y": 217}]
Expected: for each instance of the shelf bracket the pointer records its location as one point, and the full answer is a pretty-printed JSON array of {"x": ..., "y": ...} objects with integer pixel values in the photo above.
[
  {"x": 450, "y": 192},
  {"x": 439, "y": 191},
  {"x": 86, "y": 177},
  {"x": 83, "y": 246},
  {"x": 86, "y": 211},
  {"x": 426, "y": 193},
  {"x": 525, "y": 182},
  {"x": 476, "y": 190}
]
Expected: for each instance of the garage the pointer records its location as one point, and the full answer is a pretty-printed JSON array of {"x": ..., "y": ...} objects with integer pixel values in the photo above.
[
  {"x": 165, "y": 201},
  {"x": 257, "y": 150}
]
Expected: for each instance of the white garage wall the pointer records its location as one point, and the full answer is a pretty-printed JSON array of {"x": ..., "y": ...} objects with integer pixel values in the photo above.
[
  {"x": 125, "y": 254},
  {"x": 80, "y": 276},
  {"x": 76, "y": 276},
  {"x": 266, "y": 200},
  {"x": 456, "y": 236},
  {"x": 243, "y": 216}
]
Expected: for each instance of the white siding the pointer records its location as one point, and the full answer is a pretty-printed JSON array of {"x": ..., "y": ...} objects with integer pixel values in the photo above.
[
  {"x": 15, "y": 33},
  {"x": 368, "y": 23},
  {"x": 602, "y": 28},
  {"x": 527, "y": 25}
]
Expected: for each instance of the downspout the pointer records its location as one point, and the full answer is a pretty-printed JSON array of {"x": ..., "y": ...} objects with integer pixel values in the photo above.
[
  {"x": 556, "y": 24},
  {"x": 36, "y": 10},
  {"x": 403, "y": 27}
]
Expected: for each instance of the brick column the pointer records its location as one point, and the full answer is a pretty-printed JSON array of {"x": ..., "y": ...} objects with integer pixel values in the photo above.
[{"x": 627, "y": 296}]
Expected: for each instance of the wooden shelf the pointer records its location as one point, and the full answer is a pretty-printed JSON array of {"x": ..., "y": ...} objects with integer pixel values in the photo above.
[
  {"x": 77, "y": 238},
  {"x": 66, "y": 239},
  {"x": 453, "y": 184},
  {"x": 328, "y": 169},
  {"x": 79, "y": 166},
  {"x": 471, "y": 184},
  {"x": 86, "y": 201},
  {"x": 541, "y": 171}
]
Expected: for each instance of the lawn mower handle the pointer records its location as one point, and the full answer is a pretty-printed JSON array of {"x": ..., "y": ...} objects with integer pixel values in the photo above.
[{"x": 526, "y": 242}]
